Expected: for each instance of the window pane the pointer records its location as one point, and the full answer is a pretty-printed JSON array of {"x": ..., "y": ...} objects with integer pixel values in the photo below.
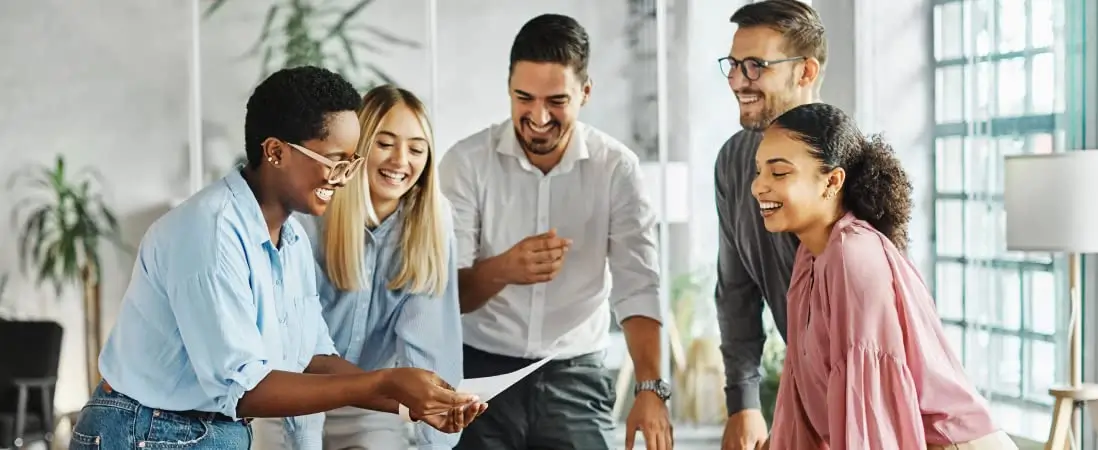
[
  {"x": 1043, "y": 305},
  {"x": 955, "y": 336},
  {"x": 949, "y": 283},
  {"x": 1012, "y": 75},
  {"x": 949, "y": 164},
  {"x": 1041, "y": 143},
  {"x": 978, "y": 358},
  {"x": 948, "y": 31},
  {"x": 1009, "y": 314},
  {"x": 1043, "y": 84},
  {"x": 1042, "y": 369},
  {"x": 982, "y": 84},
  {"x": 1007, "y": 373},
  {"x": 981, "y": 164},
  {"x": 949, "y": 94},
  {"x": 980, "y": 19},
  {"x": 981, "y": 282},
  {"x": 1007, "y": 145},
  {"x": 949, "y": 217},
  {"x": 984, "y": 229},
  {"x": 1012, "y": 25},
  {"x": 1043, "y": 22}
]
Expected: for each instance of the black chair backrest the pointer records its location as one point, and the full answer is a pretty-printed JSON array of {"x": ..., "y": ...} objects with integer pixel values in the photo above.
[{"x": 29, "y": 349}]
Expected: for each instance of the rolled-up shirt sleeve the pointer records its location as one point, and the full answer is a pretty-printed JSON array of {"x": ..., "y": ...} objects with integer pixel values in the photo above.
[
  {"x": 216, "y": 314},
  {"x": 324, "y": 344},
  {"x": 633, "y": 256},
  {"x": 458, "y": 185}
]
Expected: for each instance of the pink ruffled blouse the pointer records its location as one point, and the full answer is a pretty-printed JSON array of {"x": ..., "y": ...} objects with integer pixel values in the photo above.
[{"x": 867, "y": 364}]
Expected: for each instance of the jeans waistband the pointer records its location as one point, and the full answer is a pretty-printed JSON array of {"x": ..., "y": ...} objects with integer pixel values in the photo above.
[{"x": 124, "y": 401}]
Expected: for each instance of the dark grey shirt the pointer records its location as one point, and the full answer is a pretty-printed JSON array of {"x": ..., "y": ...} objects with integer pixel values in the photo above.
[{"x": 753, "y": 265}]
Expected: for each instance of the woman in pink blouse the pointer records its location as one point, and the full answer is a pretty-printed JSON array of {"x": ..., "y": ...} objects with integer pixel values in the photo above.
[{"x": 867, "y": 364}]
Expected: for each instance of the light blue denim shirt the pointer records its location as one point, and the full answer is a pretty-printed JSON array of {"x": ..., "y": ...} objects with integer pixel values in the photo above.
[
  {"x": 375, "y": 325},
  {"x": 213, "y": 307}
]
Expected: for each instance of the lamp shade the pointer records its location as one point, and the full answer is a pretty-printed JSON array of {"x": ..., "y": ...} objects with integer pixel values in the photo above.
[{"x": 1052, "y": 202}]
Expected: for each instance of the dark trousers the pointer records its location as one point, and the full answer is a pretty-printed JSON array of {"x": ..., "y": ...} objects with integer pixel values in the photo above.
[{"x": 563, "y": 405}]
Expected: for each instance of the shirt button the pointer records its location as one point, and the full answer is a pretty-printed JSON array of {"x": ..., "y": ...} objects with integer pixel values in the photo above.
[{"x": 278, "y": 282}]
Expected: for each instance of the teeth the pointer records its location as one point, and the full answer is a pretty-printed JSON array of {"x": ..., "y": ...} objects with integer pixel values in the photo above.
[
  {"x": 542, "y": 129},
  {"x": 325, "y": 193},
  {"x": 769, "y": 205},
  {"x": 395, "y": 176},
  {"x": 748, "y": 99}
]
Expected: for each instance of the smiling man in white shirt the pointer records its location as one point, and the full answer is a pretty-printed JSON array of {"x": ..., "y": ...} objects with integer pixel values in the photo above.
[{"x": 547, "y": 211}]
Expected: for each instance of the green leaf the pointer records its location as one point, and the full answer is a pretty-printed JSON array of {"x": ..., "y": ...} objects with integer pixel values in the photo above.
[
  {"x": 217, "y": 4},
  {"x": 347, "y": 16},
  {"x": 61, "y": 233}
]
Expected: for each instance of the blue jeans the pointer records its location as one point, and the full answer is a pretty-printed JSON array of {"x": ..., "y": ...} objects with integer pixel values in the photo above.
[{"x": 111, "y": 420}]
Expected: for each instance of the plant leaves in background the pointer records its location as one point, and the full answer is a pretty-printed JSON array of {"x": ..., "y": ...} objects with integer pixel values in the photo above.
[
  {"x": 64, "y": 221},
  {"x": 298, "y": 32}
]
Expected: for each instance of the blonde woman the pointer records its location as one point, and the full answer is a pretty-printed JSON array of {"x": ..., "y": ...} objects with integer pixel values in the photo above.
[{"x": 386, "y": 270}]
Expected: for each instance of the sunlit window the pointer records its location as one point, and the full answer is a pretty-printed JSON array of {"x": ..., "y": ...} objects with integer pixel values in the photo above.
[{"x": 995, "y": 94}]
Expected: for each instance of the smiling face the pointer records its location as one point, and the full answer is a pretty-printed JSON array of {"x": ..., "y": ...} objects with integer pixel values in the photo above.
[
  {"x": 545, "y": 102},
  {"x": 792, "y": 192},
  {"x": 305, "y": 184},
  {"x": 397, "y": 158},
  {"x": 779, "y": 86}
]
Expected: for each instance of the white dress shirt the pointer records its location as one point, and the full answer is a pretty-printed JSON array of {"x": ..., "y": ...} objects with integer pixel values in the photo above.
[{"x": 594, "y": 196}]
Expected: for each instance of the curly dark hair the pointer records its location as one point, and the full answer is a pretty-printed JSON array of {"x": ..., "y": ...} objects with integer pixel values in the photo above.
[
  {"x": 877, "y": 189},
  {"x": 553, "y": 38},
  {"x": 294, "y": 105}
]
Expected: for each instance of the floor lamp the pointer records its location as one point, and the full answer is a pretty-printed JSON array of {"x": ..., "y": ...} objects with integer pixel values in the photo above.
[{"x": 1051, "y": 207}]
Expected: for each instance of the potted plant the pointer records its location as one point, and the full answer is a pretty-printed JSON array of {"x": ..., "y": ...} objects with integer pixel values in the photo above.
[
  {"x": 310, "y": 32},
  {"x": 64, "y": 221}
]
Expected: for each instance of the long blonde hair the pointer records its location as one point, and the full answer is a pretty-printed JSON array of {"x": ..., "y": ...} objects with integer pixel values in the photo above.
[{"x": 423, "y": 247}]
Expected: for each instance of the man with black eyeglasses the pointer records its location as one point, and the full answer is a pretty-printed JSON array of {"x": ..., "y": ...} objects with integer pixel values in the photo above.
[{"x": 776, "y": 63}]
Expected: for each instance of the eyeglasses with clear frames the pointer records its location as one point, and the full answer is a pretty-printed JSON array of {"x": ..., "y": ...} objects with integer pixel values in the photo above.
[
  {"x": 339, "y": 172},
  {"x": 751, "y": 68}
]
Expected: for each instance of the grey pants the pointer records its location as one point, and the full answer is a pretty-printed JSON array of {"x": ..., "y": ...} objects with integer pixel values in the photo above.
[{"x": 563, "y": 405}]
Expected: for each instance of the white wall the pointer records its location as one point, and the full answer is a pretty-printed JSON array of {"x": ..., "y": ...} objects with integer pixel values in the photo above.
[{"x": 108, "y": 93}]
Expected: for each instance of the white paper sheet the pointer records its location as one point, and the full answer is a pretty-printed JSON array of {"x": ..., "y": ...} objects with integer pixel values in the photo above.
[{"x": 488, "y": 387}]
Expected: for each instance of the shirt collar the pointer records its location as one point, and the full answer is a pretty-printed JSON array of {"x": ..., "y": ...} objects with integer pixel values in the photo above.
[
  {"x": 247, "y": 203},
  {"x": 386, "y": 226},
  {"x": 576, "y": 151}
]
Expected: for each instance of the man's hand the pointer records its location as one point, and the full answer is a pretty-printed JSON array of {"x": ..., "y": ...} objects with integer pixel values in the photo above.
[
  {"x": 424, "y": 392},
  {"x": 745, "y": 430},
  {"x": 649, "y": 416},
  {"x": 536, "y": 259},
  {"x": 455, "y": 420}
]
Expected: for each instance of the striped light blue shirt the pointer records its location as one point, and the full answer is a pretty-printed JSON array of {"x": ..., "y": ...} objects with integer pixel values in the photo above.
[
  {"x": 375, "y": 325},
  {"x": 213, "y": 307}
]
